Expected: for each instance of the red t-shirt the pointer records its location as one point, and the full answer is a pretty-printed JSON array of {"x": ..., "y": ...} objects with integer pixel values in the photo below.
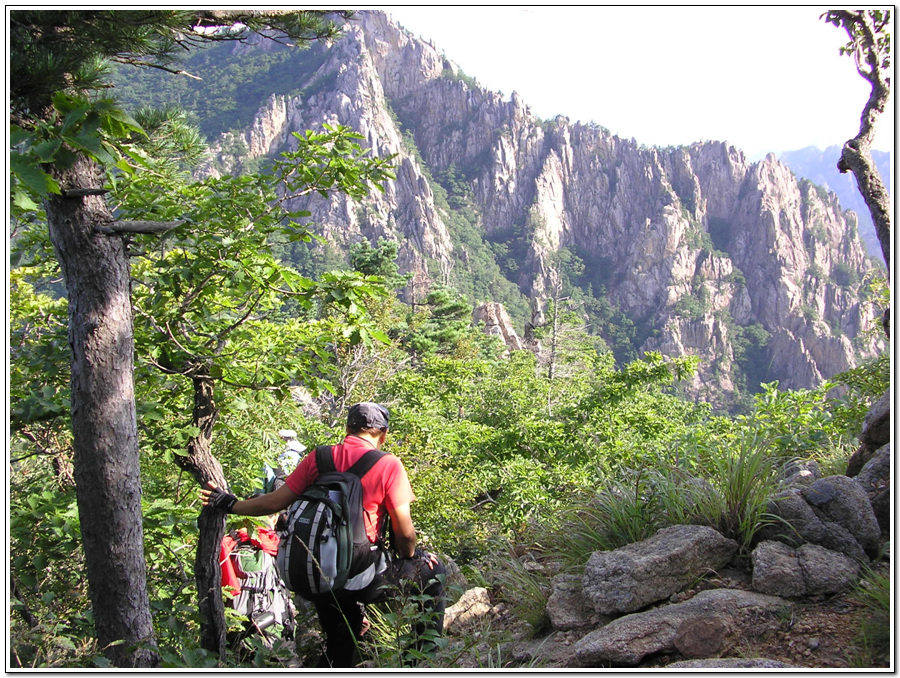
[{"x": 386, "y": 485}]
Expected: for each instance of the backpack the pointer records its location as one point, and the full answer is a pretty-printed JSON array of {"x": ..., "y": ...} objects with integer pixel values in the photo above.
[
  {"x": 263, "y": 598},
  {"x": 324, "y": 549}
]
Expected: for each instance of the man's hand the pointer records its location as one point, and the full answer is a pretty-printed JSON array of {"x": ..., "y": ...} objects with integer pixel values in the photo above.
[
  {"x": 216, "y": 498},
  {"x": 430, "y": 559}
]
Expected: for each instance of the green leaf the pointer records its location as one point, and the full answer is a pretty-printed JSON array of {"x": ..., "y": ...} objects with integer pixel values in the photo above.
[
  {"x": 380, "y": 336},
  {"x": 23, "y": 202},
  {"x": 46, "y": 150},
  {"x": 27, "y": 171},
  {"x": 17, "y": 136}
]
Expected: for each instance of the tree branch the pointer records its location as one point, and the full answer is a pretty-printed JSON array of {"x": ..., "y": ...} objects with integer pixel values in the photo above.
[
  {"x": 144, "y": 227},
  {"x": 868, "y": 46},
  {"x": 148, "y": 64}
]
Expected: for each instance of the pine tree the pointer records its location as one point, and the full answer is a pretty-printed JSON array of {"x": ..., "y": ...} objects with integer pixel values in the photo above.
[{"x": 64, "y": 140}]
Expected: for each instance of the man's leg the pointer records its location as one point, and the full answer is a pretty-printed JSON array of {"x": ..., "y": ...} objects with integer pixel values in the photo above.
[
  {"x": 341, "y": 623},
  {"x": 422, "y": 576}
]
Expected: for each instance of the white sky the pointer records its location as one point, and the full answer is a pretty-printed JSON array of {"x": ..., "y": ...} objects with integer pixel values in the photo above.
[{"x": 761, "y": 78}]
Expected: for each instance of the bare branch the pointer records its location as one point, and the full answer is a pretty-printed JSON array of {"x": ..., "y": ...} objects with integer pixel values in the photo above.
[
  {"x": 161, "y": 67},
  {"x": 82, "y": 192},
  {"x": 147, "y": 227}
]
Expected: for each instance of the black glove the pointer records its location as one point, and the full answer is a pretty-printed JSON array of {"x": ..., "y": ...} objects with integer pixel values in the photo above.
[
  {"x": 221, "y": 500},
  {"x": 417, "y": 555}
]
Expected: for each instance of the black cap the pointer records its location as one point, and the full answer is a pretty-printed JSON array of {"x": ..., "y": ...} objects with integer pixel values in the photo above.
[{"x": 367, "y": 415}]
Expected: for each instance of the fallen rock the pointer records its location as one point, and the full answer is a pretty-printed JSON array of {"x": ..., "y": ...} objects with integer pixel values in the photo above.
[
  {"x": 627, "y": 640},
  {"x": 832, "y": 513},
  {"x": 801, "y": 472},
  {"x": 730, "y": 663},
  {"x": 567, "y": 606},
  {"x": 876, "y": 474},
  {"x": 472, "y": 605},
  {"x": 876, "y": 432},
  {"x": 809, "y": 570},
  {"x": 841, "y": 500},
  {"x": 634, "y": 576},
  {"x": 776, "y": 570},
  {"x": 826, "y": 572},
  {"x": 875, "y": 479},
  {"x": 701, "y": 637}
]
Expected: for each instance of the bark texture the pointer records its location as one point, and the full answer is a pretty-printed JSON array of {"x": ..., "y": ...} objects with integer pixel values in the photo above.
[
  {"x": 856, "y": 157},
  {"x": 203, "y": 466},
  {"x": 104, "y": 423}
]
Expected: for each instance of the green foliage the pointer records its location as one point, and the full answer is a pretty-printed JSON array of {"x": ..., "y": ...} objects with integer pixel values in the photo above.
[
  {"x": 870, "y": 380},
  {"x": 525, "y": 590},
  {"x": 742, "y": 475},
  {"x": 379, "y": 261},
  {"x": 447, "y": 321},
  {"x": 233, "y": 86},
  {"x": 623, "y": 512},
  {"x": 75, "y": 125},
  {"x": 393, "y": 640},
  {"x": 844, "y": 276},
  {"x": 873, "y": 643}
]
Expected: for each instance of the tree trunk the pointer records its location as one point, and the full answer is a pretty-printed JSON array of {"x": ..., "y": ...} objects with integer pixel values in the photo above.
[
  {"x": 856, "y": 157},
  {"x": 104, "y": 423},
  {"x": 203, "y": 466},
  {"x": 871, "y": 57}
]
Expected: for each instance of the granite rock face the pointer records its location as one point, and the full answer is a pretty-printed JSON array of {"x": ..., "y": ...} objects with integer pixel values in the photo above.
[
  {"x": 695, "y": 244},
  {"x": 634, "y": 576}
]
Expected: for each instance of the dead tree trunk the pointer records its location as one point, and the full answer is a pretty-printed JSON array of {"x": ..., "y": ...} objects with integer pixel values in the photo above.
[{"x": 203, "y": 466}]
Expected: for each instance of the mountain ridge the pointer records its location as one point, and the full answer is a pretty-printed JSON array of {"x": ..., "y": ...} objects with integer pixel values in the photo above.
[{"x": 687, "y": 250}]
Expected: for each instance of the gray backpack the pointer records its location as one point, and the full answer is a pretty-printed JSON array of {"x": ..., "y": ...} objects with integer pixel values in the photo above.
[{"x": 324, "y": 549}]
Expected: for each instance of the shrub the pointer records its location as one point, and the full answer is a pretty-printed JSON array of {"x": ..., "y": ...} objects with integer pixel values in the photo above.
[
  {"x": 874, "y": 639},
  {"x": 743, "y": 476}
]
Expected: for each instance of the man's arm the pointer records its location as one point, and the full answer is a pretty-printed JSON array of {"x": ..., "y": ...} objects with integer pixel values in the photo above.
[
  {"x": 263, "y": 504},
  {"x": 405, "y": 536},
  {"x": 404, "y": 532}
]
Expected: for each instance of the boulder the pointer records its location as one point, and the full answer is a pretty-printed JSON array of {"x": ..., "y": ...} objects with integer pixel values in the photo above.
[
  {"x": 567, "y": 606},
  {"x": 841, "y": 500},
  {"x": 776, "y": 570},
  {"x": 716, "y": 617},
  {"x": 875, "y": 479},
  {"x": 796, "y": 524},
  {"x": 809, "y": 570},
  {"x": 800, "y": 472},
  {"x": 833, "y": 512},
  {"x": 875, "y": 475},
  {"x": 634, "y": 576},
  {"x": 876, "y": 432},
  {"x": 473, "y": 605},
  {"x": 826, "y": 572}
]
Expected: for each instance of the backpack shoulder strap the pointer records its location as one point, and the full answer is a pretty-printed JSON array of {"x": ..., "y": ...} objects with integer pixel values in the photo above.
[
  {"x": 366, "y": 462},
  {"x": 324, "y": 459}
]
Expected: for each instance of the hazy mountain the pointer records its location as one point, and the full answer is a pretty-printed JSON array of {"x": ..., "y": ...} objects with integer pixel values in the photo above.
[{"x": 820, "y": 167}]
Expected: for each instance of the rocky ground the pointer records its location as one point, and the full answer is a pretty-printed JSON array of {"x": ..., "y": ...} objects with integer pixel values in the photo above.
[{"x": 820, "y": 632}]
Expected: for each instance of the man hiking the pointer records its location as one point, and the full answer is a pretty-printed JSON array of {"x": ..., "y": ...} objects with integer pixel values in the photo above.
[{"x": 386, "y": 492}]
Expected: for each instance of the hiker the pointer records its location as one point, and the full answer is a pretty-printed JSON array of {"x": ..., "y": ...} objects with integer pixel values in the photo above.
[{"x": 386, "y": 493}]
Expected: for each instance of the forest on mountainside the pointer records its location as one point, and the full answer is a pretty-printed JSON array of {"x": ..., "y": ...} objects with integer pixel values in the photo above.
[
  {"x": 507, "y": 451},
  {"x": 719, "y": 277}
]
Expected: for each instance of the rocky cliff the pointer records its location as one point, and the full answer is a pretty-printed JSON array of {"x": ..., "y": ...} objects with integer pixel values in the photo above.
[
  {"x": 820, "y": 167},
  {"x": 705, "y": 253}
]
